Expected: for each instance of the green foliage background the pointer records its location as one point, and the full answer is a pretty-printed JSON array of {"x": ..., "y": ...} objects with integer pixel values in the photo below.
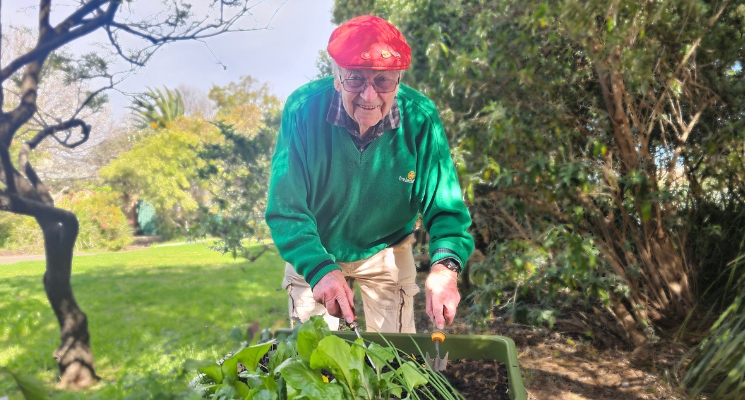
[
  {"x": 600, "y": 147},
  {"x": 103, "y": 226}
]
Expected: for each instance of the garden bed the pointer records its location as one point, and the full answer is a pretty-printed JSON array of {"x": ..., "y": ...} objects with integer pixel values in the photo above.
[
  {"x": 315, "y": 363},
  {"x": 480, "y": 353}
]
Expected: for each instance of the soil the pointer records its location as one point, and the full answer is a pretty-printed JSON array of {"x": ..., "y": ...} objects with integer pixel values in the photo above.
[
  {"x": 562, "y": 364},
  {"x": 482, "y": 379},
  {"x": 474, "y": 379}
]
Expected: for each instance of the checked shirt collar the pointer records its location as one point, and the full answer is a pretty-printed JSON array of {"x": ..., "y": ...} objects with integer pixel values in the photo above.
[{"x": 338, "y": 116}]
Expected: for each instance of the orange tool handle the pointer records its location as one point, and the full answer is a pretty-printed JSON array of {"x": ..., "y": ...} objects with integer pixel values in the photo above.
[{"x": 437, "y": 337}]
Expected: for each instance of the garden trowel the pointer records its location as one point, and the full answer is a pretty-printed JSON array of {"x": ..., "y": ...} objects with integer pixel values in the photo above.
[
  {"x": 356, "y": 330},
  {"x": 437, "y": 363}
]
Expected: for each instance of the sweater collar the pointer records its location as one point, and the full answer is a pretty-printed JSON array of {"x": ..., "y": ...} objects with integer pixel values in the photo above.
[{"x": 338, "y": 116}]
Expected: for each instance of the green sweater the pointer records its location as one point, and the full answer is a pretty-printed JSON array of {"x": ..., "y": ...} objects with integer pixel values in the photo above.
[{"x": 329, "y": 202}]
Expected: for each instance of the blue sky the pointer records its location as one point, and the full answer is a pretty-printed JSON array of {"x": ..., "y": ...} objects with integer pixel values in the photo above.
[{"x": 283, "y": 55}]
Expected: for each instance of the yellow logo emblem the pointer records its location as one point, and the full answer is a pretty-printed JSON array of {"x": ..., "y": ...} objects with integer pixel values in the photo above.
[
  {"x": 385, "y": 54},
  {"x": 411, "y": 175}
]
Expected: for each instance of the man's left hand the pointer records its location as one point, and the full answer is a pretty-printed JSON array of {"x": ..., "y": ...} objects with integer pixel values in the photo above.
[{"x": 442, "y": 295}]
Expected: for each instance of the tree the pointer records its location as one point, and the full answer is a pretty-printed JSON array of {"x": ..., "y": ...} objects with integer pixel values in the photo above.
[
  {"x": 162, "y": 168},
  {"x": 243, "y": 104},
  {"x": 59, "y": 97},
  {"x": 196, "y": 102},
  {"x": 238, "y": 170},
  {"x": 594, "y": 138},
  {"x": 157, "y": 109},
  {"x": 237, "y": 167},
  {"x": 24, "y": 193}
]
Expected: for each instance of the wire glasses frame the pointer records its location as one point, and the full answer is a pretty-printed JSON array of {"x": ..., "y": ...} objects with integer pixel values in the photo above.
[{"x": 358, "y": 85}]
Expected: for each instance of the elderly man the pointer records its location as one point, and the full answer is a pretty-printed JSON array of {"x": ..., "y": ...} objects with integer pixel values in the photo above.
[{"x": 359, "y": 157}]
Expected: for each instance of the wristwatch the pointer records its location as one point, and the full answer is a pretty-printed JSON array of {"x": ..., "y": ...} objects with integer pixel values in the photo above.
[{"x": 451, "y": 264}]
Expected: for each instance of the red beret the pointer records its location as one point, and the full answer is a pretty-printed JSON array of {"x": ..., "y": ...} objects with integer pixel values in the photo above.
[{"x": 369, "y": 42}]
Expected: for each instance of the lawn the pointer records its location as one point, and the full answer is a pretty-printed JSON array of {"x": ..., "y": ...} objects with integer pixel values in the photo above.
[{"x": 148, "y": 311}]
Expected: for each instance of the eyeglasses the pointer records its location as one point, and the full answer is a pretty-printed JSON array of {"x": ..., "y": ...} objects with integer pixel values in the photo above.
[{"x": 358, "y": 85}]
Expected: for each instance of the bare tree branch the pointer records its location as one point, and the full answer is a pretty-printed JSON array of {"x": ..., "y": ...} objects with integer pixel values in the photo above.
[
  {"x": 67, "y": 125},
  {"x": 42, "y": 50},
  {"x": 694, "y": 46},
  {"x": 8, "y": 169},
  {"x": 45, "y": 9}
]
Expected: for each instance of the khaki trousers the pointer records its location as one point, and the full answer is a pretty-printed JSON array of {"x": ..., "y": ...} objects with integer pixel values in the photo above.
[{"x": 387, "y": 281}]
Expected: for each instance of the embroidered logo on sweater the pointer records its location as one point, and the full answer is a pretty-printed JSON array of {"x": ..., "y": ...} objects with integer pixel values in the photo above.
[{"x": 409, "y": 178}]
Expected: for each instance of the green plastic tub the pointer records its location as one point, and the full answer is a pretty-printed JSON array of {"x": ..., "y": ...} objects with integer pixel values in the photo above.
[{"x": 472, "y": 347}]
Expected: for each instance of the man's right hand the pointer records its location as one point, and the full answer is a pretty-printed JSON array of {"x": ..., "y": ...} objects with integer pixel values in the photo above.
[{"x": 333, "y": 292}]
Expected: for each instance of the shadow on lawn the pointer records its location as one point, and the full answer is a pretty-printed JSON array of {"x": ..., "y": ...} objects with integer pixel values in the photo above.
[{"x": 141, "y": 319}]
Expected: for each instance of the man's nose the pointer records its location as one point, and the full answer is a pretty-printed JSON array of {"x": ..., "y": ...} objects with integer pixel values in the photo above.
[{"x": 369, "y": 94}]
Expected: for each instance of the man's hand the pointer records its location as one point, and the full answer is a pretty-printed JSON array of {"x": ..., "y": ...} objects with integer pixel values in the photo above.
[
  {"x": 442, "y": 295},
  {"x": 333, "y": 292}
]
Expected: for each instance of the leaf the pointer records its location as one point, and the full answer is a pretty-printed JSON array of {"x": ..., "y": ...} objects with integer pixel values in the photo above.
[
  {"x": 411, "y": 375},
  {"x": 298, "y": 374},
  {"x": 236, "y": 335},
  {"x": 242, "y": 389},
  {"x": 380, "y": 353},
  {"x": 358, "y": 351},
  {"x": 262, "y": 394},
  {"x": 284, "y": 351},
  {"x": 224, "y": 391},
  {"x": 229, "y": 369},
  {"x": 209, "y": 368},
  {"x": 389, "y": 379},
  {"x": 254, "y": 380},
  {"x": 646, "y": 211},
  {"x": 309, "y": 335},
  {"x": 30, "y": 387},
  {"x": 323, "y": 391},
  {"x": 250, "y": 356},
  {"x": 335, "y": 355}
]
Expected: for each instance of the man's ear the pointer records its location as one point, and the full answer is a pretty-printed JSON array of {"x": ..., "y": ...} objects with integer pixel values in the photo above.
[{"x": 337, "y": 84}]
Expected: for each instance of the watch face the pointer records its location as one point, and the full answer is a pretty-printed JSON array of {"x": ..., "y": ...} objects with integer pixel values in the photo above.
[{"x": 452, "y": 265}]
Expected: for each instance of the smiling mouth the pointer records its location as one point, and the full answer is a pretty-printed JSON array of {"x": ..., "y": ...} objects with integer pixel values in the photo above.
[{"x": 367, "y": 107}]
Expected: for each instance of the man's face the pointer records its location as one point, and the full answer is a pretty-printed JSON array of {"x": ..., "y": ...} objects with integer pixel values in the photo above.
[{"x": 368, "y": 107}]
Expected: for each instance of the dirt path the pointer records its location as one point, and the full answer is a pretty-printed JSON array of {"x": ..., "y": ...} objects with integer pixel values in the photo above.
[
  {"x": 12, "y": 257},
  {"x": 140, "y": 243}
]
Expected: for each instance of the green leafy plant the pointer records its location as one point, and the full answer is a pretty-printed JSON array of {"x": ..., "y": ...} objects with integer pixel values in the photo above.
[
  {"x": 157, "y": 109},
  {"x": 30, "y": 387},
  {"x": 314, "y": 364},
  {"x": 238, "y": 169},
  {"x": 718, "y": 362}
]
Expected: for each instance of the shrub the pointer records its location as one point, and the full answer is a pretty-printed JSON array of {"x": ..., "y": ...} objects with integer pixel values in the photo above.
[{"x": 103, "y": 226}]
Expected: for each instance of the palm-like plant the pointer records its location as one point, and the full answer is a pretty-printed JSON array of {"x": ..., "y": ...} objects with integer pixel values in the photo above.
[
  {"x": 157, "y": 109},
  {"x": 719, "y": 361}
]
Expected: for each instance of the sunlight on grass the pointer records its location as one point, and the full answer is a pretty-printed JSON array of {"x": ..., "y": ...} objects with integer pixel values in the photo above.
[{"x": 148, "y": 312}]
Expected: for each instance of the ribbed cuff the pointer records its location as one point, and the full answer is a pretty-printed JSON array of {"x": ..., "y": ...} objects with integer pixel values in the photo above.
[
  {"x": 320, "y": 271},
  {"x": 443, "y": 253}
]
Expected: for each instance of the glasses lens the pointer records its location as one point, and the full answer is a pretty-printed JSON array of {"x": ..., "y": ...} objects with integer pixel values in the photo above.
[
  {"x": 385, "y": 85},
  {"x": 354, "y": 84}
]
